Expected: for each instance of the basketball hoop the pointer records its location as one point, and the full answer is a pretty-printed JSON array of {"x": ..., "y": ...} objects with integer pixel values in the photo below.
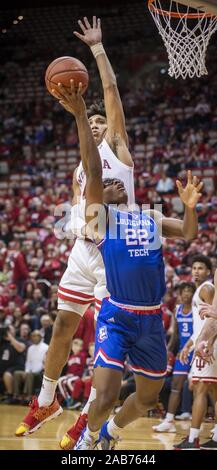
[{"x": 186, "y": 36}]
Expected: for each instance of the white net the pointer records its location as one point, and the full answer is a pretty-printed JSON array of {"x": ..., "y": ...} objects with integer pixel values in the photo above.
[{"x": 186, "y": 36}]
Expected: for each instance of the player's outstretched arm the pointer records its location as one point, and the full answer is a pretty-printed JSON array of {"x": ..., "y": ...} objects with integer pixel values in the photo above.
[
  {"x": 188, "y": 227},
  {"x": 92, "y": 36},
  {"x": 89, "y": 153}
]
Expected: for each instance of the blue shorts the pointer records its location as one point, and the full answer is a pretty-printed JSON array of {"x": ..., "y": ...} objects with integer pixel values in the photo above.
[
  {"x": 182, "y": 369},
  {"x": 141, "y": 337}
]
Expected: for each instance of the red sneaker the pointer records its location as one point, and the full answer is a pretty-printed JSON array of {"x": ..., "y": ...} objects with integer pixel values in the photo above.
[
  {"x": 72, "y": 435},
  {"x": 38, "y": 416}
]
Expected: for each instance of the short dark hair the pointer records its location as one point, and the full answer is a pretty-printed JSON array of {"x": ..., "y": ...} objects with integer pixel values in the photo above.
[
  {"x": 97, "y": 107},
  {"x": 187, "y": 285},
  {"x": 202, "y": 259},
  {"x": 108, "y": 181}
]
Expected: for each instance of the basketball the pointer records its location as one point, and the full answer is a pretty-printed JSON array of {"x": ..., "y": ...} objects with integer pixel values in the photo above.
[{"x": 64, "y": 69}]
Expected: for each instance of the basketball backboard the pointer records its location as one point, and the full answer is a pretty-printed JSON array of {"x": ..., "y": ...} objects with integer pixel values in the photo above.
[{"x": 209, "y": 6}]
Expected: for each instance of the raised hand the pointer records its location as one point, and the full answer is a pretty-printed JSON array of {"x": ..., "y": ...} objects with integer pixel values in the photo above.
[
  {"x": 72, "y": 101},
  {"x": 204, "y": 350},
  {"x": 183, "y": 357},
  {"x": 91, "y": 34},
  {"x": 190, "y": 194}
]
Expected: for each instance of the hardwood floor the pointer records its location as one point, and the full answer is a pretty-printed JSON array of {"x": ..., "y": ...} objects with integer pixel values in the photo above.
[{"x": 138, "y": 435}]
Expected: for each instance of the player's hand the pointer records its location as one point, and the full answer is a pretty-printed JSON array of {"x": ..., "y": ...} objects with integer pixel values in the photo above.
[
  {"x": 92, "y": 34},
  {"x": 183, "y": 357},
  {"x": 207, "y": 311},
  {"x": 191, "y": 193},
  {"x": 72, "y": 101},
  {"x": 204, "y": 350}
]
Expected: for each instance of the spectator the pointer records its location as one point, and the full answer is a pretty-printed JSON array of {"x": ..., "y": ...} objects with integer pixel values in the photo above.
[
  {"x": 75, "y": 369},
  {"x": 165, "y": 184},
  {"x": 12, "y": 358},
  {"x": 34, "y": 366}
]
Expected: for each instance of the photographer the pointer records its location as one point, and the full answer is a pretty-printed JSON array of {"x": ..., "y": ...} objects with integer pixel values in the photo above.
[{"x": 12, "y": 357}]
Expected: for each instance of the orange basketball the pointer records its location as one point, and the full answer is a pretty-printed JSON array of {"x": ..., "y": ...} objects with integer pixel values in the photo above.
[{"x": 62, "y": 70}]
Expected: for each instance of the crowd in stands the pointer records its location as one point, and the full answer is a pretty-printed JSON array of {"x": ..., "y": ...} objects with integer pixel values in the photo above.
[{"x": 172, "y": 126}]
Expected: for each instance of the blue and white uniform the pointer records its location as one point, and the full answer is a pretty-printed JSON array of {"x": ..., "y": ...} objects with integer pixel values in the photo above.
[
  {"x": 130, "y": 320},
  {"x": 185, "y": 330}
]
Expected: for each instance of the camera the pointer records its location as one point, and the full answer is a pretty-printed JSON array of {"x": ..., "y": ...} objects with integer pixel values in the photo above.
[{"x": 4, "y": 330}]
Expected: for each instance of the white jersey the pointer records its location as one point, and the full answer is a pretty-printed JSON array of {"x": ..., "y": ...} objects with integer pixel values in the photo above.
[
  {"x": 111, "y": 168},
  {"x": 197, "y": 303}
]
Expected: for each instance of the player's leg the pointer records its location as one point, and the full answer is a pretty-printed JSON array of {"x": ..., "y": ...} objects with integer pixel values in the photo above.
[
  {"x": 148, "y": 359},
  {"x": 211, "y": 444},
  {"x": 72, "y": 303},
  {"x": 108, "y": 385},
  {"x": 203, "y": 375},
  {"x": 198, "y": 411},
  {"x": 46, "y": 406},
  {"x": 96, "y": 267},
  {"x": 112, "y": 338},
  {"x": 134, "y": 407},
  {"x": 179, "y": 376}
]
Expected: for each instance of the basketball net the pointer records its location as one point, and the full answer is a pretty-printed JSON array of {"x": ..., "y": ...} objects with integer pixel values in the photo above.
[{"x": 185, "y": 35}]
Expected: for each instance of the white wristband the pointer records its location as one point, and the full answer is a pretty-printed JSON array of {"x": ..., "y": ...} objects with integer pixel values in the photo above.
[{"x": 97, "y": 49}]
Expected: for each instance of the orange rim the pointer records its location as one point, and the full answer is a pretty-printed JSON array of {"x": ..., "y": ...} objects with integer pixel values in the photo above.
[{"x": 192, "y": 16}]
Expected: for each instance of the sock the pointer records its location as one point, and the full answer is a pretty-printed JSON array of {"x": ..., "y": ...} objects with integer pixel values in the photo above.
[
  {"x": 214, "y": 438},
  {"x": 169, "y": 417},
  {"x": 91, "y": 434},
  {"x": 91, "y": 398},
  {"x": 113, "y": 429},
  {"x": 48, "y": 389},
  {"x": 194, "y": 433}
]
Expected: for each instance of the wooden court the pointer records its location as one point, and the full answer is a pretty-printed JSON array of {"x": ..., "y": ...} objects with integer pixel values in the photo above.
[{"x": 138, "y": 436}]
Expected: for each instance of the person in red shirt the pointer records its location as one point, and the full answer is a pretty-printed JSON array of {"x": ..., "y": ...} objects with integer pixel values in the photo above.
[
  {"x": 82, "y": 386},
  {"x": 12, "y": 296},
  {"x": 75, "y": 369}
]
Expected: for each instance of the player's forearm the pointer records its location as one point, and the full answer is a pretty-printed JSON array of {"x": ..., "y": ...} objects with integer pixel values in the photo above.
[
  {"x": 190, "y": 224},
  {"x": 214, "y": 302},
  {"x": 106, "y": 72},
  {"x": 89, "y": 153},
  {"x": 189, "y": 343},
  {"x": 209, "y": 331}
]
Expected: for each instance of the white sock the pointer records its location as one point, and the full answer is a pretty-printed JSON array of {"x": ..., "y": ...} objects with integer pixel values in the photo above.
[
  {"x": 47, "y": 393},
  {"x": 91, "y": 398},
  {"x": 113, "y": 429},
  {"x": 91, "y": 434},
  {"x": 194, "y": 433},
  {"x": 214, "y": 438},
  {"x": 169, "y": 417}
]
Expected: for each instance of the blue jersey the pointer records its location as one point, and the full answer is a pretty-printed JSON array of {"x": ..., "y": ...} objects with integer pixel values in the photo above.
[
  {"x": 133, "y": 259},
  {"x": 185, "y": 326}
]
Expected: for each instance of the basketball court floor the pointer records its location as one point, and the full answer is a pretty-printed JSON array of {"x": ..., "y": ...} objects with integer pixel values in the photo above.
[{"x": 137, "y": 436}]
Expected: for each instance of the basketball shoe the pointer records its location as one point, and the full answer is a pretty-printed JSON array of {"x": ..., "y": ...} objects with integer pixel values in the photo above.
[
  {"x": 72, "y": 435},
  {"x": 186, "y": 445},
  {"x": 37, "y": 416},
  {"x": 165, "y": 426},
  {"x": 106, "y": 441}
]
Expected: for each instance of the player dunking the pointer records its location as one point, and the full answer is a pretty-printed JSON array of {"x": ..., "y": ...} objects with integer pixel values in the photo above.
[
  {"x": 204, "y": 376},
  {"x": 84, "y": 279},
  {"x": 130, "y": 321}
]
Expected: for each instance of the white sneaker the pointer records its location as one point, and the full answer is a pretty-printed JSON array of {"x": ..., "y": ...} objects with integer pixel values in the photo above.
[
  {"x": 183, "y": 416},
  {"x": 84, "y": 442},
  {"x": 165, "y": 426}
]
